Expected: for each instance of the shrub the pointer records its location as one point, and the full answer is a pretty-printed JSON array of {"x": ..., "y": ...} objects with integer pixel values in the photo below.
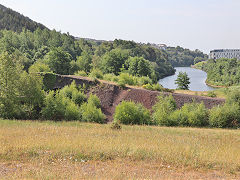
[
  {"x": 121, "y": 84},
  {"x": 225, "y": 116},
  {"x": 157, "y": 87},
  {"x": 162, "y": 110},
  {"x": 55, "y": 105},
  {"x": 78, "y": 97},
  {"x": 191, "y": 114},
  {"x": 154, "y": 87},
  {"x": 81, "y": 73},
  {"x": 148, "y": 87},
  {"x": 211, "y": 94},
  {"x": 68, "y": 91},
  {"x": 39, "y": 67},
  {"x": 126, "y": 78},
  {"x": 94, "y": 100},
  {"x": 131, "y": 113},
  {"x": 144, "y": 80},
  {"x": 116, "y": 126},
  {"x": 96, "y": 73},
  {"x": 110, "y": 77},
  {"x": 91, "y": 113},
  {"x": 72, "y": 111},
  {"x": 233, "y": 97},
  {"x": 59, "y": 107}
]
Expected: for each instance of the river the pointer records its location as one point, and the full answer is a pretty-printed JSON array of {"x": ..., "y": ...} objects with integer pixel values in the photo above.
[{"x": 197, "y": 79}]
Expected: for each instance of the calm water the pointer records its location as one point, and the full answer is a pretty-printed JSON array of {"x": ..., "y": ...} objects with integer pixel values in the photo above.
[{"x": 197, "y": 79}]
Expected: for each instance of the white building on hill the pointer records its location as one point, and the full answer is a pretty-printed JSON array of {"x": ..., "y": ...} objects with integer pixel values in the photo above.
[{"x": 224, "y": 53}]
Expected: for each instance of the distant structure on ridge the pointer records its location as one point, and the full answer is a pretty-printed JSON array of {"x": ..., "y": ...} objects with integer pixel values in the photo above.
[
  {"x": 160, "y": 46},
  {"x": 224, "y": 53}
]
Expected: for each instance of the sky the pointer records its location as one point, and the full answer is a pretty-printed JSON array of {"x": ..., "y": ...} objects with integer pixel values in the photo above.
[{"x": 193, "y": 24}]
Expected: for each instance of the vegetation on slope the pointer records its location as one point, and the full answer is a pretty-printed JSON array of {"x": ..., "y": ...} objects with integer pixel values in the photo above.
[
  {"x": 180, "y": 57},
  {"x": 12, "y": 20},
  {"x": 221, "y": 72}
]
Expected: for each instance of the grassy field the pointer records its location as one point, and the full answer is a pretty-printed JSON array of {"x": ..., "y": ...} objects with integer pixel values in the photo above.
[
  {"x": 73, "y": 150},
  {"x": 218, "y": 92}
]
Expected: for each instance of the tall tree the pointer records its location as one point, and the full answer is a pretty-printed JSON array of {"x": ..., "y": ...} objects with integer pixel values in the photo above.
[
  {"x": 183, "y": 81},
  {"x": 59, "y": 61}
]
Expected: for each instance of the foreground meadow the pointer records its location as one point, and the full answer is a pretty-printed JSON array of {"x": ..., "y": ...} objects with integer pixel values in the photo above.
[{"x": 73, "y": 150}]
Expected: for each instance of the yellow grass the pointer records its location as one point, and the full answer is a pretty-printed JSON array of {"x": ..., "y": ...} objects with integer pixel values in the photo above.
[
  {"x": 47, "y": 150},
  {"x": 219, "y": 93}
]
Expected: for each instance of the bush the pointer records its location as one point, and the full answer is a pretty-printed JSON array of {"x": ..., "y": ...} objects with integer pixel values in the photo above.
[
  {"x": 61, "y": 105},
  {"x": 39, "y": 67},
  {"x": 144, "y": 80},
  {"x": 72, "y": 111},
  {"x": 233, "y": 97},
  {"x": 191, "y": 114},
  {"x": 55, "y": 105},
  {"x": 91, "y": 113},
  {"x": 81, "y": 73},
  {"x": 126, "y": 78},
  {"x": 211, "y": 94},
  {"x": 74, "y": 94},
  {"x": 68, "y": 91},
  {"x": 154, "y": 87},
  {"x": 116, "y": 126},
  {"x": 110, "y": 77},
  {"x": 94, "y": 100},
  {"x": 225, "y": 116},
  {"x": 148, "y": 87},
  {"x": 78, "y": 97},
  {"x": 96, "y": 73},
  {"x": 121, "y": 84},
  {"x": 162, "y": 110},
  {"x": 131, "y": 113}
]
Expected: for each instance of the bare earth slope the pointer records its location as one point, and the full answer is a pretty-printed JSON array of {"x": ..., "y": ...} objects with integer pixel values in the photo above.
[{"x": 111, "y": 95}]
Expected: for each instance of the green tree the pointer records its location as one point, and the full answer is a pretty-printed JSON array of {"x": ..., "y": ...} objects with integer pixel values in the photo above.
[
  {"x": 112, "y": 61},
  {"x": 139, "y": 66},
  {"x": 182, "y": 81},
  {"x": 59, "y": 61}
]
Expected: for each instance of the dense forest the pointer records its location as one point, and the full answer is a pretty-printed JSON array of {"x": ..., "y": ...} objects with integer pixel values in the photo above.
[
  {"x": 221, "y": 72},
  {"x": 65, "y": 55},
  {"x": 12, "y": 20},
  {"x": 180, "y": 57}
]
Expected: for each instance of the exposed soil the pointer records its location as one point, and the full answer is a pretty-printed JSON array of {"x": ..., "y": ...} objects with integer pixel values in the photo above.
[{"x": 111, "y": 95}]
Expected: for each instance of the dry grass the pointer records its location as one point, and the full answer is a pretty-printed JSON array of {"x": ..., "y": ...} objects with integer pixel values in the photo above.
[
  {"x": 219, "y": 94},
  {"x": 47, "y": 150}
]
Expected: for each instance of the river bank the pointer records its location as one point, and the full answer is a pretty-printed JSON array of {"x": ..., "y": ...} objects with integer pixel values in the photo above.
[{"x": 197, "y": 79}]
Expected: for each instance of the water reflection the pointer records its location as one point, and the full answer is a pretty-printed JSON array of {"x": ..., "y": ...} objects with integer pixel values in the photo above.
[{"x": 197, "y": 79}]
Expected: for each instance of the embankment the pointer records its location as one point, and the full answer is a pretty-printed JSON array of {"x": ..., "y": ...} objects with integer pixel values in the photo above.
[{"x": 111, "y": 95}]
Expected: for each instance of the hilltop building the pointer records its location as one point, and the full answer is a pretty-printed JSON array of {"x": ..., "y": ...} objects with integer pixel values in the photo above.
[
  {"x": 224, "y": 53},
  {"x": 160, "y": 46}
]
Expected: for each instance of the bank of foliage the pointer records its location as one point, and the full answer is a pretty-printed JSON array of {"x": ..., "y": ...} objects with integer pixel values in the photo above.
[
  {"x": 22, "y": 96},
  {"x": 45, "y": 50},
  {"x": 181, "y": 57},
  {"x": 12, "y": 20},
  {"x": 131, "y": 113},
  {"x": 222, "y": 72},
  {"x": 165, "y": 113}
]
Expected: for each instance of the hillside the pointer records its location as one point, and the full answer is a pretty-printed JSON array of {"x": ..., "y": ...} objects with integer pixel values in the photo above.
[
  {"x": 181, "y": 57},
  {"x": 12, "y": 20}
]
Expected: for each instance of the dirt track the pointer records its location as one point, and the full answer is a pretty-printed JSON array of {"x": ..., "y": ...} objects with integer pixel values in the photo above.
[{"x": 111, "y": 95}]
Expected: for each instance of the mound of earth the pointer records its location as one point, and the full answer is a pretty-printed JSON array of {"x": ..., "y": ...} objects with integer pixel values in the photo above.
[{"x": 111, "y": 95}]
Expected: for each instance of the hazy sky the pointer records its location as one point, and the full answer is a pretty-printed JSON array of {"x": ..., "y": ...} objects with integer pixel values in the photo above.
[{"x": 194, "y": 24}]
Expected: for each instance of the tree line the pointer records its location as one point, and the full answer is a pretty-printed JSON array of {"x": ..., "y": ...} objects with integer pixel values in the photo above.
[
  {"x": 221, "y": 72},
  {"x": 181, "y": 57},
  {"x": 12, "y": 20}
]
